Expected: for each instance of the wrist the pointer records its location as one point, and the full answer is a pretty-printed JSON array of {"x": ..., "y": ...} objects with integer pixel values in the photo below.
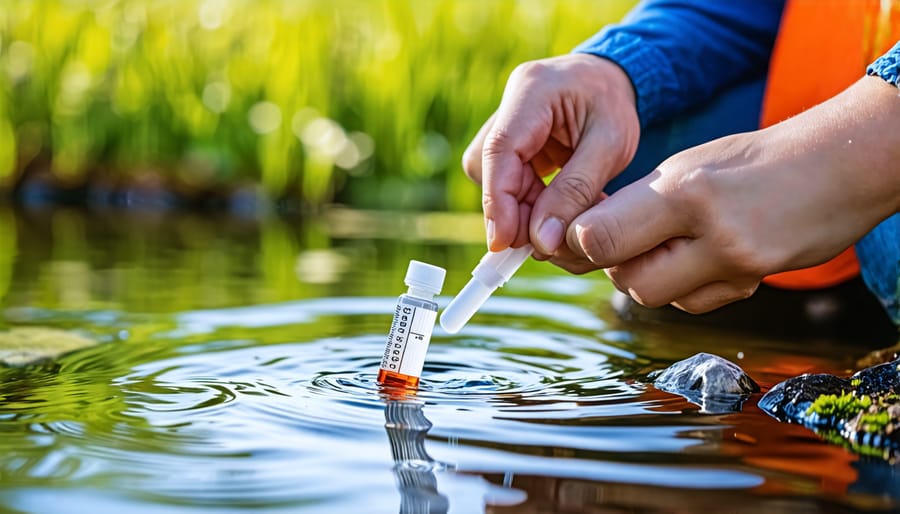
[
  {"x": 616, "y": 79},
  {"x": 652, "y": 77},
  {"x": 847, "y": 150}
]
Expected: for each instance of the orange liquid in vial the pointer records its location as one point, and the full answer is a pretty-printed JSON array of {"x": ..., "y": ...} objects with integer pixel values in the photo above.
[
  {"x": 404, "y": 352},
  {"x": 394, "y": 379}
]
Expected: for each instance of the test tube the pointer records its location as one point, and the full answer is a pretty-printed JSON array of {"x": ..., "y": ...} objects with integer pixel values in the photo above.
[{"x": 404, "y": 353}]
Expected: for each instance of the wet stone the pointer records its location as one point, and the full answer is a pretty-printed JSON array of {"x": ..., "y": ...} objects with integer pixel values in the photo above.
[
  {"x": 717, "y": 385},
  {"x": 791, "y": 399},
  {"x": 861, "y": 413}
]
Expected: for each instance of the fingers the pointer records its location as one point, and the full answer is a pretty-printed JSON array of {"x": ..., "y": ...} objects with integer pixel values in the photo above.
[
  {"x": 522, "y": 232},
  {"x": 471, "y": 159},
  {"x": 627, "y": 224},
  {"x": 576, "y": 189},
  {"x": 548, "y": 108},
  {"x": 682, "y": 272},
  {"x": 669, "y": 271},
  {"x": 543, "y": 159},
  {"x": 549, "y": 159},
  {"x": 567, "y": 260},
  {"x": 521, "y": 127},
  {"x": 715, "y": 295}
]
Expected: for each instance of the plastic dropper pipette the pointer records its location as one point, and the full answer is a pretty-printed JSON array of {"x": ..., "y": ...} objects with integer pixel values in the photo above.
[{"x": 494, "y": 269}]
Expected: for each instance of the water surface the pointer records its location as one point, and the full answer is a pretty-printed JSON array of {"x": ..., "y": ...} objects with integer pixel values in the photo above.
[{"x": 236, "y": 373}]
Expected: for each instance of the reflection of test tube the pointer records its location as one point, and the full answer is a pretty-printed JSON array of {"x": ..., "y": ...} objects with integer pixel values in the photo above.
[
  {"x": 404, "y": 353},
  {"x": 494, "y": 269},
  {"x": 406, "y": 428}
]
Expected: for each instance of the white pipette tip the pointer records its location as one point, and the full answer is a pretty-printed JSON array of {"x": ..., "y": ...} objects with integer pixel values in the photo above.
[{"x": 494, "y": 269}]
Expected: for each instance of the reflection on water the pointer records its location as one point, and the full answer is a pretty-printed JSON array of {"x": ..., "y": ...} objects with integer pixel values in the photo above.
[
  {"x": 406, "y": 428},
  {"x": 237, "y": 372}
]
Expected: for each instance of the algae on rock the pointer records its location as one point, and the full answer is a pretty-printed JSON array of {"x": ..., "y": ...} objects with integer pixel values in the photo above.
[{"x": 861, "y": 413}]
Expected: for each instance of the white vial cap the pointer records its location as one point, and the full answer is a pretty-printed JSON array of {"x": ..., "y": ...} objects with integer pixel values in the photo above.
[{"x": 426, "y": 277}]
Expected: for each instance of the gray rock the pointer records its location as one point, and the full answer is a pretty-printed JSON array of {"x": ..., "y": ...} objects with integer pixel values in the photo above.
[{"x": 715, "y": 384}]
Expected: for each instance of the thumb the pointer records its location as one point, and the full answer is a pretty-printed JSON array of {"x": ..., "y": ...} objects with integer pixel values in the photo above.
[
  {"x": 578, "y": 187},
  {"x": 630, "y": 222}
]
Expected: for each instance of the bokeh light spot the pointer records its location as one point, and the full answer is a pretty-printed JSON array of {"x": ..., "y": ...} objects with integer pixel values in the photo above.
[{"x": 264, "y": 117}]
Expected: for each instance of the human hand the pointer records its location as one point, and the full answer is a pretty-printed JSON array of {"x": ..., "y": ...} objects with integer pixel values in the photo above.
[
  {"x": 575, "y": 112},
  {"x": 704, "y": 228}
]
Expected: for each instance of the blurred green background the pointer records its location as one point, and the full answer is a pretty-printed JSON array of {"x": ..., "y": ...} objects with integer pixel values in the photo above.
[{"x": 364, "y": 102}]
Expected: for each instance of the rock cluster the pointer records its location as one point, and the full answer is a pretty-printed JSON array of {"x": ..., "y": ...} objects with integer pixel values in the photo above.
[{"x": 861, "y": 412}]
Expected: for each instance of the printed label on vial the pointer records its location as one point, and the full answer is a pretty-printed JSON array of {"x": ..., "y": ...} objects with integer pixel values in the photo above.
[{"x": 408, "y": 340}]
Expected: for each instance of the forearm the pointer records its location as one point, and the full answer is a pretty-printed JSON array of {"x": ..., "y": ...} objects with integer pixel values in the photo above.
[
  {"x": 855, "y": 137},
  {"x": 710, "y": 222},
  {"x": 876, "y": 127},
  {"x": 839, "y": 167},
  {"x": 853, "y": 140}
]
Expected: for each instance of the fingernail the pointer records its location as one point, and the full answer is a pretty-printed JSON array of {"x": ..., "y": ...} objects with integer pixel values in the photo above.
[
  {"x": 490, "y": 232},
  {"x": 550, "y": 234},
  {"x": 579, "y": 234}
]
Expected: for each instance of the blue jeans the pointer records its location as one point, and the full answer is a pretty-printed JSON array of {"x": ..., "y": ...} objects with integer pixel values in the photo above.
[{"x": 738, "y": 110}]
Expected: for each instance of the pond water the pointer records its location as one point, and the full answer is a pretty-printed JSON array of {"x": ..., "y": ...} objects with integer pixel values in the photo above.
[{"x": 236, "y": 372}]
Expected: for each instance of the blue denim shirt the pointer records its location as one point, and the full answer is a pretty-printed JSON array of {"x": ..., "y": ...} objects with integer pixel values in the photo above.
[
  {"x": 888, "y": 66},
  {"x": 680, "y": 54}
]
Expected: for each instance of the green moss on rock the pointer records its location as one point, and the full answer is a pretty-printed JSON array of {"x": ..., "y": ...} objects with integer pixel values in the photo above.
[
  {"x": 861, "y": 412},
  {"x": 844, "y": 405}
]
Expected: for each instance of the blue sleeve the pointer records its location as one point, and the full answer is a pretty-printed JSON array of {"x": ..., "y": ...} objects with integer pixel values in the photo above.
[
  {"x": 887, "y": 66},
  {"x": 679, "y": 53}
]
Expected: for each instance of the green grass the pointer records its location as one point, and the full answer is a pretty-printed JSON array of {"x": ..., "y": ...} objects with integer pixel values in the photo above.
[{"x": 369, "y": 102}]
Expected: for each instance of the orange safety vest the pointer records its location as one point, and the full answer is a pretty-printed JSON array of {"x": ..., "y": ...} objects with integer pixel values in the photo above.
[{"x": 823, "y": 47}]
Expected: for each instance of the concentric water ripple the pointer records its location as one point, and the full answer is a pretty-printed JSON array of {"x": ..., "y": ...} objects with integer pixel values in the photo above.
[{"x": 278, "y": 404}]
